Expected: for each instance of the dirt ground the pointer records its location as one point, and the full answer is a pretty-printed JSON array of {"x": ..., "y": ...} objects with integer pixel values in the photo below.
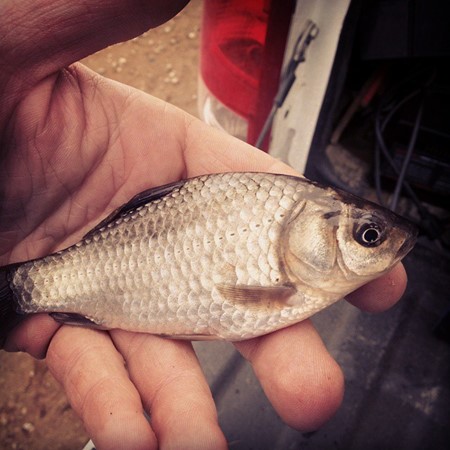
[{"x": 34, "y": 412}]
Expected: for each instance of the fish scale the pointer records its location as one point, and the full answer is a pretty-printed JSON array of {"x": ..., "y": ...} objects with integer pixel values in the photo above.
[
  {"x": 213, "y": 256},
  {"x": 128, "y": 287}
]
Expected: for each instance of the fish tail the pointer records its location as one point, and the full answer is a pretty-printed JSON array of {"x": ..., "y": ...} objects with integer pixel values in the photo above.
[{"x": 9, "y": 317}]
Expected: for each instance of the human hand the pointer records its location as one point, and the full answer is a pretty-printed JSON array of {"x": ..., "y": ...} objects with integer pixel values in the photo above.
[{"x": 74, "y": 146}]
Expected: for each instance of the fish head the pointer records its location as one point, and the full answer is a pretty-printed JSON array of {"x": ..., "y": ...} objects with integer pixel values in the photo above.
[
  {"x": 336, "y": 242},
  {"x": 371, "y": 240}
]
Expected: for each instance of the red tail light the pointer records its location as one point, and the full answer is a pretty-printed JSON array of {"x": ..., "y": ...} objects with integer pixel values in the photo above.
[{"x": 241, "y": 55}]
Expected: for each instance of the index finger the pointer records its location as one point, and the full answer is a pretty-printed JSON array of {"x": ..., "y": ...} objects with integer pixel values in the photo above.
[
  {"x": 382, "y": 293},
  {"x": 300, "y": 378}
]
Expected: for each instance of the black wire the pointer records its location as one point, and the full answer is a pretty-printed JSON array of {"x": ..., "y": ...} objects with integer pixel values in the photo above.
[
  {"x": 429, "y": 222},
  {"x": 407, "y": 159},
  {"x": 412, "y": 141},
  {"x": 391, "y": 162},
  {"x": 377, "y": 174},
  {"x": 381, "y": 145}
]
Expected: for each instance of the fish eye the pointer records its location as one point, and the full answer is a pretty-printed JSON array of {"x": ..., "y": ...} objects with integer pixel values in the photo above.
[{"x": 369, "y": 234}]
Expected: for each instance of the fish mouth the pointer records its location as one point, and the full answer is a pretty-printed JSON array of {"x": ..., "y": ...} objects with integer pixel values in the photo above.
[{"x": 410, "y": 232}]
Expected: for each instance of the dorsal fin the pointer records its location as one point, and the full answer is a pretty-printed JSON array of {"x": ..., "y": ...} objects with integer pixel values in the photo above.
[{"x": 140, "y": 199}]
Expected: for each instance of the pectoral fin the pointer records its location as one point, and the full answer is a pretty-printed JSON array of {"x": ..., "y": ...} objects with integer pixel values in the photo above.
[{"x": 258, "y": 296}]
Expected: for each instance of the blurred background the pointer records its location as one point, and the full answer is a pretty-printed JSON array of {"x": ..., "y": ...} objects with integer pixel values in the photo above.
[{"x": 351, "y": 93}]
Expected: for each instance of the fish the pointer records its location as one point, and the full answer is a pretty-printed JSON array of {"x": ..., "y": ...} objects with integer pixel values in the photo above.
[{"x": 221, "y": 256}]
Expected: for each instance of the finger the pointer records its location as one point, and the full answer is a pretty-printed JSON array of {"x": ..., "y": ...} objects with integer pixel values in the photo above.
[
  {"x": 210, "y": 150},
  {"x": 174, "y": 390},
  {"x": 54, "y": 33},
  {"x": 93, "y": 375},
  {"x": 298, "y": 375},
  {"x": 32, "y": 336},
  {"x": 381, "y": 293}
]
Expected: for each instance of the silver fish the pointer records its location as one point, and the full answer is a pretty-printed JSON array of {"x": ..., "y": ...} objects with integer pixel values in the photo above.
[{"x": 224, "y": 256}]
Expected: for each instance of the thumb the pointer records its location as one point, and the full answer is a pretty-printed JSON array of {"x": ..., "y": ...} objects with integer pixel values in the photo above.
[{"x": 41, "y": 36}]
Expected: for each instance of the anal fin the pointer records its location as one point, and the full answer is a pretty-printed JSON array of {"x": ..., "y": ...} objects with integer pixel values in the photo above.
[
  {"x": 77, "y": 320},
  {"x": 192, "y": 337}
]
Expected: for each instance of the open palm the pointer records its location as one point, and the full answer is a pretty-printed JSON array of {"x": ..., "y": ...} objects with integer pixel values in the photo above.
[{"x": 75, "y": 146}]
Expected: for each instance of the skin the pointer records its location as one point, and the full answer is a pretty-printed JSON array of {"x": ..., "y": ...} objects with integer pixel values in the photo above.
[{"x": 73, "y": 147}]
